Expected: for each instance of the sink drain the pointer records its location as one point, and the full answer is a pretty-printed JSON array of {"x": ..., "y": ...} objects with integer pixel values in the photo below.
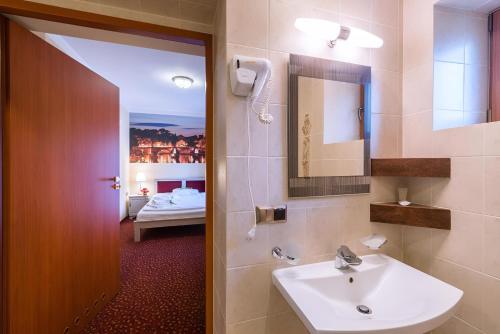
[{"x": 363, "y": 309}]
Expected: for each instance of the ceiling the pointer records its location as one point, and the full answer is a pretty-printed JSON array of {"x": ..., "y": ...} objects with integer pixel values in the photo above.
[
  {"x": 481, "y": 6},
  {"x": 143, "y": 75}
]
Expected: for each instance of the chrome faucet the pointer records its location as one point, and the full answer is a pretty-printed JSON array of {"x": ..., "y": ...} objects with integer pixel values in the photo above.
[{"x": 346, "y": 258}]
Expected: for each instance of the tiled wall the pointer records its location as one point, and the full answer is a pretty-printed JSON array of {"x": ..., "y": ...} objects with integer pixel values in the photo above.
[
  {"x": 248, "y": 302},
  {"x": 468, "y": 256},
  {"x": 461, "y": 72},
  {"x": 196, "y": 15}
]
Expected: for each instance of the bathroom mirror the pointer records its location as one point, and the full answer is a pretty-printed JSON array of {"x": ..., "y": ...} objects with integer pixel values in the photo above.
[
  {"x": 328, "y": 127},
  {"x": 462, "y": 34}
]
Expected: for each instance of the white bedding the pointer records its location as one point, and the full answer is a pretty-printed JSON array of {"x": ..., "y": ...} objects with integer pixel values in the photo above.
[{"x": 170, "y": 206}]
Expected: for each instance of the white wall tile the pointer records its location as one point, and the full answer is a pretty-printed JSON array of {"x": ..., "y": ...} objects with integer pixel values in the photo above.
[
  {"x": 448, "y": 86},
  {"x": 449, "y": 34}
]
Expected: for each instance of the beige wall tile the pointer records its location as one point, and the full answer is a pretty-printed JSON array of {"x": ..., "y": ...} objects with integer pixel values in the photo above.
[
  {"x": 491, "y": 320},
  {"x": 287, "y": 323},
  {"x": 417, "y": 36},
  {"x": 255, "y": 326},
  {"x": 455, "y": 142},
  {"x": 279, "y": 85},
  {"x": 198, "y": 12},
  {"x": 417, "y": 135},
  {"x": 240, "y": 250},
  {"x": 238, "y": 194},
  {"x": 417, "y": 89},
  {"x": 466, "y": 229},
  {"x": 385, "y": 136},
  {"x": 361, "y": 9},
  {"x": 277, "y": 131},
  {"x": 329, "y": 5},
  {"x": 455, "y": 326},
  {"x": 247, "y": 293},
  {"x": 247, "y": 23},
  {"x": 323, "y": 234},
  {"x": 464, "y": 190},
  {"x": 278, "y": 188},
  {"x": 492, "y": 246},
  {"x": 386, "y": 12},
  {"x": 168, "y": 8},
  {"x": 418, "y": 247},
  {"x": 386, "y": 92},
  {"x": 492, "y": 185},
  {"x": 388, "y": 56},
  {"x": 491, "y": 142}
]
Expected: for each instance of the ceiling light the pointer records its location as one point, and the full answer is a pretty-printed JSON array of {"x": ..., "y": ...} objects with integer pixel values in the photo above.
[
  {"x": 182, "y": 81},
  {"x": 332, "y": 32},
  {"x": 364, "y": 39}
]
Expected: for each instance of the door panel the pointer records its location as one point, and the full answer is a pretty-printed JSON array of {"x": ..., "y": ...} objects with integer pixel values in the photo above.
[{"x": 61, "y": 216}]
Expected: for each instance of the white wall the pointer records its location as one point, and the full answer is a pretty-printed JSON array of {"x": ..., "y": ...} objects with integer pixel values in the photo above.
[{"x": 162, "y": 171}]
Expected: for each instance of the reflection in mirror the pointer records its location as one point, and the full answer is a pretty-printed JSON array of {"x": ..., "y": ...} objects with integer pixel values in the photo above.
[
  {"x": 330, "y": 116},
  {"x": 328, "y": 127},
  {"x": 461, "y": 62}
]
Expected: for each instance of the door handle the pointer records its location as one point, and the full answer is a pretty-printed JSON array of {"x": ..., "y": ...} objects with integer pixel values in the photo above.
[
  {"x": 115, "y": 179},
  {"x": 360, "y": 111},
  {"x": 116, "y": 186}
]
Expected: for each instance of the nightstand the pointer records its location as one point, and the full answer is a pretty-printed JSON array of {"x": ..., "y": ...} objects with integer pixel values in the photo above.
[{"x": 135, "y": 204}]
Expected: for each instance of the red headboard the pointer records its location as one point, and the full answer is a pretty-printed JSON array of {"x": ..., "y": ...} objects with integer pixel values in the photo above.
[
  {"x": 166, "y": 186},
  {"x": 196, "y": 184}
]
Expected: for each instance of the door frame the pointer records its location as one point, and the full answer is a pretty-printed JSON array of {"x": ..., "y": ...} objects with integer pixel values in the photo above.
[{"x": 104, "y": 22}]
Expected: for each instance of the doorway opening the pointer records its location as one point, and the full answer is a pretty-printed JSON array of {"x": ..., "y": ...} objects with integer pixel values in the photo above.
[{"x": 164, "y": 131}]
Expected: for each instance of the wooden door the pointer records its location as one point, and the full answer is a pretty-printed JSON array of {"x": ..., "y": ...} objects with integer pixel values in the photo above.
[{"x": 61, "y": 216}]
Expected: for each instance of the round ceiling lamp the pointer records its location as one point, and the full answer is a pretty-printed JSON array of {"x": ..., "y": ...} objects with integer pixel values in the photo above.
[{"x": 182, "y": 81}]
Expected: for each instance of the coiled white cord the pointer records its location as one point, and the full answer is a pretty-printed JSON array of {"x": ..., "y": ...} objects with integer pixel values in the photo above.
[{"x": 266, "y": 118}]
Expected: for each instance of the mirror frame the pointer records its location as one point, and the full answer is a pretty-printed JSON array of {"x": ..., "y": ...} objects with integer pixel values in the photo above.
[{"x": 304, "y": 66}]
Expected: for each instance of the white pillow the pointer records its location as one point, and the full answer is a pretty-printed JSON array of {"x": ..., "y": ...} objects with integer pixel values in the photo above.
[{"x": 184, "y": 191}]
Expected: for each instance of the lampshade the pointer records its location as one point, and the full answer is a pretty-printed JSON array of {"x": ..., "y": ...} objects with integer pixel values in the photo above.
[
  {"x": 318, "y": 28},
  {"x": 140, "y": 177},
  {"x": 332, "y": 31}
]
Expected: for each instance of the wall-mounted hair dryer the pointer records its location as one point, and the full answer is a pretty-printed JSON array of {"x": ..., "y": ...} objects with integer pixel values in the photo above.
[{"x": 249, "y": 77}]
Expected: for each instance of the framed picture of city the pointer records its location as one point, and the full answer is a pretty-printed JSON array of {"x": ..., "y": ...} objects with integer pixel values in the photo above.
[{"x": 156, "y": 138}]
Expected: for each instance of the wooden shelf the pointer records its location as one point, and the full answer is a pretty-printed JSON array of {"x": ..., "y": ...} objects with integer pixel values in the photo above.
[
  {"x": 412, "y": 215},
  {"x": 420, "y": 167}
]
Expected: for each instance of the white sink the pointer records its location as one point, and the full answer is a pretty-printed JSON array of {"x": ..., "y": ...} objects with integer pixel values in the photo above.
[{"x": 401, "y": 299}]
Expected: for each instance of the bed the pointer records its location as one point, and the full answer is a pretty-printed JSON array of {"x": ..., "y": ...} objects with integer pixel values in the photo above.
[{"x": 176, "y": 203}]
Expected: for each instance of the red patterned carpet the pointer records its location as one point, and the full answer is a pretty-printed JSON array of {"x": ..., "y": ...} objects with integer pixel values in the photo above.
[{"x": 162, "y": 284}]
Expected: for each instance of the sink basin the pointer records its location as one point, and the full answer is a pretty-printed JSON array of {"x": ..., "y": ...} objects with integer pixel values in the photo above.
[{"x": 382, "y": 295}]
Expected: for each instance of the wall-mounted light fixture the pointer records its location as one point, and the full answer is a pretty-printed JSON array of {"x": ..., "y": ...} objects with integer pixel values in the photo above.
[
  {"x": 182, "y": 81},
  {"x": 332, "y": 32}
]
